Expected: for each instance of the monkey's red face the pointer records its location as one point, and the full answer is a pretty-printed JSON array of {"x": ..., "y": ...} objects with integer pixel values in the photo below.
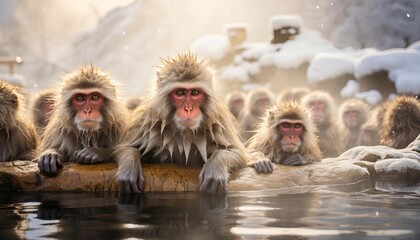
[
  {"x": 291, "y": 132},
  {"x": 318, "y": 110},
  {"x": 87, "y": 104},
  {"x": 351, "y": 118},
  {"x": 187, "y": 102}
]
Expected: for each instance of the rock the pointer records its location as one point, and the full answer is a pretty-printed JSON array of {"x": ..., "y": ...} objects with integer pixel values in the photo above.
[
  {"x": 373, "y": 163},
  {"x": 25, "y": 176}
]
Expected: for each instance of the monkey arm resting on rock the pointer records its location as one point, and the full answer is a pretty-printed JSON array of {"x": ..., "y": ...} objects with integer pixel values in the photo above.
[
  {"x": 286, "y": 136},
  {"x": 181, "y": 122},
  {"x": 87, "y": 122}
]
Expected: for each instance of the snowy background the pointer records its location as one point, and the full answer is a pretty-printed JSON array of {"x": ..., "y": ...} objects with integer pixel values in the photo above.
[{"x": 338, "y": 37}]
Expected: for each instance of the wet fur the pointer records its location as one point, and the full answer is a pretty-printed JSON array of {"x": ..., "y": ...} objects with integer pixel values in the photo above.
[
  {"x": 18, "y": 138},
  {"x": 62, "y": 134},
  {"x": 401, "y": 123},
  {"x": 267, "y": 137},
  {"x": 152, "y": 136}
]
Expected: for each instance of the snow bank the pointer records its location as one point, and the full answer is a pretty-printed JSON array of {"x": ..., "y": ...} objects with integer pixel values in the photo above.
[
  {"x": 352, "y": 88},
  {"x": 372, "y": 97},
  {"x": 280, "y": 21},
  {"x": 213, "y": 46}
]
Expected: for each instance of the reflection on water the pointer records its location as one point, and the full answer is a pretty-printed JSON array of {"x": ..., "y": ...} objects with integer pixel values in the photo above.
[{"x": 335, "y": 212}]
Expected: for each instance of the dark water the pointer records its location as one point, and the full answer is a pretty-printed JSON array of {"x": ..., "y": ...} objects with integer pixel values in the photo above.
[{"x": 336, "y": 212}]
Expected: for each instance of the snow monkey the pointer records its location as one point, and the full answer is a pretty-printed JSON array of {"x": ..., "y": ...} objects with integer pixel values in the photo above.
[
  {"x": 17, "y": 133},
  {"x": 293, "y": 94},
  {"x": 353, "y": 113},
  {"x": 42, "y": 108},
  {"x": 181, "y": 122},
  {"x": 258, "y": 100},
  {"x": 401, "y": 123},
  {"x": 87, "y": 122},
  {"x": 235, "y": 101},
  {"x": 286, "y": 136},
  {"x": 322, "y": 107}
]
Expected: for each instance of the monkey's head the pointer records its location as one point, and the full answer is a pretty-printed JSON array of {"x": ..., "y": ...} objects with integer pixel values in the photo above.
[
  {"x": 258, "y": 101},
  {"x": 401, "y": 122},
  {"x": 353, "y": 113},
  {"x": 290, "y": 123},
  {"x": 9, "y": 104},
  {"x": 185, "y": 87},
  {"x": 86, "y": 97},
  {"x": 321, "y": 105}
]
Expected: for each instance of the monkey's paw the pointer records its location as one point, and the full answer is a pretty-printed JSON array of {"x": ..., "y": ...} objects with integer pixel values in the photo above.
[
  {"x": 86, "y": 156},
  {"x": 263, "y": 166},
  {"x": 294, "y": 160},
  {"x": 212, "y": 180},
  {"x": 49, "y": 163}
]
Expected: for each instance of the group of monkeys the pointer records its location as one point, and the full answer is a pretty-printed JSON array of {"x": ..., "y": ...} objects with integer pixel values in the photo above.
[{"x": 182, "y": 121}]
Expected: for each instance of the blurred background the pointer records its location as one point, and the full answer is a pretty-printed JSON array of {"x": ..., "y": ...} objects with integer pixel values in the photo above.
[{"x": 347, "y": 47}]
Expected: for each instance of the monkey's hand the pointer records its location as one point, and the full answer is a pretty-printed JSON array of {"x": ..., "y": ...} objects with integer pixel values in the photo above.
[
  {"x": 130, "y": 172},
  {"x": 260, "y": 162},
  {"x": 213, "y": 178},
  {"x": 90, "y": 155},
  {"x": 263, "y": 166},
  {"x": 294, "y": 160},
  {"x": 49, "y": 162}
]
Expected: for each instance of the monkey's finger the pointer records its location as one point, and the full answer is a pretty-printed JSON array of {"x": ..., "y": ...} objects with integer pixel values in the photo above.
[
  {"x": 269, "y": 166},
  {"x": 214, "y": 186},
  {"x": 205, "y": 184},
  {"x": 125, "y": 186},
  {"x": 53, "y": 164},
  {"x": 47, "y": 163},
  {"x": 140, "y": 182}
]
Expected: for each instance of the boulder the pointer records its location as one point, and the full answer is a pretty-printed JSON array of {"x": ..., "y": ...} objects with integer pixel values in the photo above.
[{"x": 361, "y": 163}]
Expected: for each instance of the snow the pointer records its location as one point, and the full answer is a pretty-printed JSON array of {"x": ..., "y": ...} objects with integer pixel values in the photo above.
[
  {"x": 212, "y": 46},
  {"x": 352, "y": 88},
  {"x": 280, "y": 21},
  {"x": 372, "y": 97},
  {"x": 415, "y": 46},
  {"x": 302, "y": 49},
  {"x": 236, "y": 25}
]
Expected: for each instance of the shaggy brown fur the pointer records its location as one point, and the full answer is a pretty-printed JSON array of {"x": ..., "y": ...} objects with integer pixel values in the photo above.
[
  {"x": 293, "y": 94},
  {"x": 350, "y": 134},
  {"x": 401, "y": 122},
  {"x": 62, "y": 136},
  {"x": 230, "y": 100},
  {"x": 327, "y": 129},
  {"x": 267, "y": 137},
  {"x": 153, "y": 136},
  {"x": 39, "y": 117},
  {"x": 252, "y": 112},
  {"x": 17, "y": 134},
  {"x": 370, "y": 131}
]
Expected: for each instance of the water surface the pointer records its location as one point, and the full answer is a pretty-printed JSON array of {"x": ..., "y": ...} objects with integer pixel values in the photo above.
[{"x": 358, "y": 211}]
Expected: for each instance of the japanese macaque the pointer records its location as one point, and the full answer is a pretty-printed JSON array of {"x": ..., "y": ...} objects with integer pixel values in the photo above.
[
  {"x": 17, "y": 133},
  {"x": 42, "y": 108},
  {"x": 370, "y": 130},
  {"x": 353, "y": 113},
  {"x": 286, "y": 136},
  {"x": 322, "y": 107},
  {"x": 401, "y": 122},
  {"x": 236, "y": 102},
  {"x": 181, "y": 122},
  {"x": 257, "y": 102},
  {"x": 87, "y": 121},
  {"x": 293, "y": 94}
]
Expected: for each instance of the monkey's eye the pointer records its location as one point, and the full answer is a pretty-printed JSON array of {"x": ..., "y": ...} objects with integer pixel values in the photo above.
[
  {"x": 285, "y": 125},
  {"x": 180, "y": 92},
  {"x": 195, "y": 92},
  {"x": 95, "y": 97},
  {"x": 80, "y": 98},
  {"x": 298, "y": 125}
]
